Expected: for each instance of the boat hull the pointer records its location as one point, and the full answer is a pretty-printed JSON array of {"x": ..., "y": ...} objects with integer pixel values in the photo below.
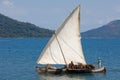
[
  {"x": 100, "y": 70},
  {"x": 51, "y": 71},
  {"x": 70, "y": 71}
]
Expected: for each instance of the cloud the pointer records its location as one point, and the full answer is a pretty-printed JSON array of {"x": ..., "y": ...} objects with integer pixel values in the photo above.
[
  {"x": 9, "y": 8},
  {"x": 7, "y": 3}
]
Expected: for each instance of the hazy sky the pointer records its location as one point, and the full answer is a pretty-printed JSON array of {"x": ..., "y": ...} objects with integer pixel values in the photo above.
[{"x": 51, "y": 13}]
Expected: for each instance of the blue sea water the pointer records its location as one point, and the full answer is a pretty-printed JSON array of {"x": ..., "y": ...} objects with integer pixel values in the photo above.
[{"x": 18, "y": 59}]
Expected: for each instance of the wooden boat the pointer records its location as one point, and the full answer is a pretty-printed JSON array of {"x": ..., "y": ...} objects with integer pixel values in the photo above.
[
  {"x": 70, "y": 71},
  {"x": 65, "y": 47}
]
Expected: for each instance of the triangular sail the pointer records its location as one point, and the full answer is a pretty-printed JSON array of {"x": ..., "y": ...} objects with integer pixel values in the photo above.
[{"x": 66, "y": 37}]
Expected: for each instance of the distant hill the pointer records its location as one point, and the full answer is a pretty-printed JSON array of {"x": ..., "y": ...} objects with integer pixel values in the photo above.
[
  {"x": 110, "y": 30},
  {"x": 10, "y": 28}
]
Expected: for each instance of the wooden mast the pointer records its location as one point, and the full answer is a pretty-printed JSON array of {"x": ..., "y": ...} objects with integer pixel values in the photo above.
[{"x": 61, "y": 49}]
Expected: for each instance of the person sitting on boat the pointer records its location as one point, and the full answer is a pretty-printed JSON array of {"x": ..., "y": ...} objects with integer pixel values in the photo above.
[
  {"x": 48, "y": 66},
  {"x": 71, "y": 65},
  {"x": 80, "y": 66},
  {"x": 91, "y": 66}
]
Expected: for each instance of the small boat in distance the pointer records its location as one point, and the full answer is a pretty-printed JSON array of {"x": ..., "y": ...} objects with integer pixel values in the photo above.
[{"x": 65, "y": 48}]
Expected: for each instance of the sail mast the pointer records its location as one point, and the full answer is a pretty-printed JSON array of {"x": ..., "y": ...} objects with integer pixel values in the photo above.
[{"x": 61, "y": 49}]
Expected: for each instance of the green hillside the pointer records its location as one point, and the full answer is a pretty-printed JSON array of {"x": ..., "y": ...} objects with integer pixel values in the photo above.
[
  {"x": 10, "y": 28},
  {"x": 110, "y": 30}
]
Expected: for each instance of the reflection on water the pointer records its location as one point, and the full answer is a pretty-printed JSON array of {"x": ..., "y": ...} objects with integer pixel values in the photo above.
[
  {"x": 60, "y": 77},
  {"x": 71, "y": 77}
]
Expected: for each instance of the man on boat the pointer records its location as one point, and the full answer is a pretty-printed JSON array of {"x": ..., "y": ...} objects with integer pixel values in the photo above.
[
  {"x": 99, "y": 62},
  {"x": 71, "y": 65},
  {"x": 81, "y": 66},
  {"x": 48, "y": 66}
]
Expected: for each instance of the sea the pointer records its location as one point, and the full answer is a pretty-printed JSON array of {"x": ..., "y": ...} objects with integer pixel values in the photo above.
[{"x": 18, "y": 58}]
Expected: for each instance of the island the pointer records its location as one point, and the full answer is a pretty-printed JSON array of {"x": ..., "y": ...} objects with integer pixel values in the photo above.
[
  {"x": 10, "y": 28},
  {"x": 110, "y": 30}
]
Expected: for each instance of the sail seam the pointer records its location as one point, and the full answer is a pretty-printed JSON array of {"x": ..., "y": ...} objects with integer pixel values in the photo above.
[{"x": 70, "y": 47}]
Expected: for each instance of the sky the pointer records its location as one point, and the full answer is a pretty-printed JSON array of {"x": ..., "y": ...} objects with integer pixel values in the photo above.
[{"x": 51, "y": 13}]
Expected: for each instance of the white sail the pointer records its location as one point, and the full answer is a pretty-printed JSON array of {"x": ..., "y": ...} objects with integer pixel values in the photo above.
[{"x": 65, "y": 44}]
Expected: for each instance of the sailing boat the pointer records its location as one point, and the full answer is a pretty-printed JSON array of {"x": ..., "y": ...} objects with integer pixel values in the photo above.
[{"x": 65, "y": 48}]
